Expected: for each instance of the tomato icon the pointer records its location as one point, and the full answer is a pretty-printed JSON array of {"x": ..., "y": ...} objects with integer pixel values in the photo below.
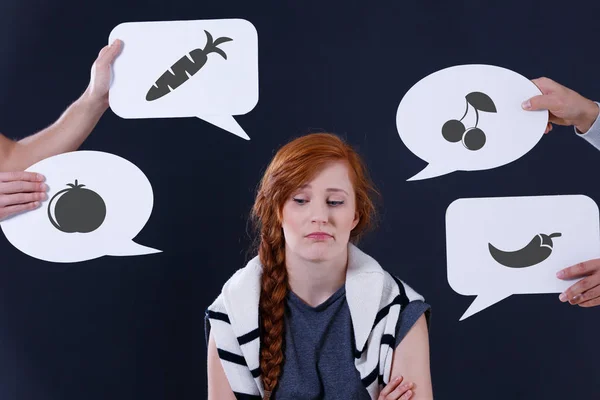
[{"x": 77, "y": 209}]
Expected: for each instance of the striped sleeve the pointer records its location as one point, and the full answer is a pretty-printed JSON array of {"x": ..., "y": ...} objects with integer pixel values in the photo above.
[{"x": 240, "y": 377}]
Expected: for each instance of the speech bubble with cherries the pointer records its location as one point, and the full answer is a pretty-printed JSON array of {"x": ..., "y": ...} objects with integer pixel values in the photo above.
[
  {"x": 203, "y": 68},
  {"x": 498, "y": 247},
  {"x": 97, "y": 204},
  {"x": 469, "y": 117}
]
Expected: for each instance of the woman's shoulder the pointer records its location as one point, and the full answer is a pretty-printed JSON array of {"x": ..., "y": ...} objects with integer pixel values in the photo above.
[
  {"x": 363, "y": 264},
  {"x": 244, "y": 277},
  {"x": 400, "y": 287},
  {"x": 241, "y": 287}
]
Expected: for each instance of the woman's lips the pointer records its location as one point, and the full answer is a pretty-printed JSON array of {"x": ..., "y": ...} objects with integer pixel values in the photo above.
[{"x": 319, "y": 236}]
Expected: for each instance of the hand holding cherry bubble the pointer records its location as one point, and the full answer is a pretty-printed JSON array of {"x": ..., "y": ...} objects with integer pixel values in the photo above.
[
  {"x": 97, "y": 203},
  {"x": 468, "y": 118}
]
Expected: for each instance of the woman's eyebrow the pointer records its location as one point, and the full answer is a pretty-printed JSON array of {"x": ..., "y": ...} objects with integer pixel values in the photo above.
[
  {"x": 307, "y": 186},
  {"x": 336, "y": 190}
]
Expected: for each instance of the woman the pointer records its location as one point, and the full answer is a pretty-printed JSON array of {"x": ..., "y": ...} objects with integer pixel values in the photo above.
[{"x": 312, "y": 316}]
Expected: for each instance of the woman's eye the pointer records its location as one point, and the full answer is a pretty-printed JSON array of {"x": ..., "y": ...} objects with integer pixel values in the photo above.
[
  {"x": 335, "y": 203},
  {"x": 300, "y": 201}
]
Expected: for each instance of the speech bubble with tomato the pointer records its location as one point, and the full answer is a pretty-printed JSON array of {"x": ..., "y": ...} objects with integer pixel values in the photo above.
[
  {"x": 98, "y": 204},
  {"x": 199, "y": 68}
]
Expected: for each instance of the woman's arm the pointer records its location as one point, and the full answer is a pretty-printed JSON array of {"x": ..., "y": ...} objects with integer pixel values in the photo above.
[
  {"x": 411, "y": 360},
  {"x": 218, "y": 385}
]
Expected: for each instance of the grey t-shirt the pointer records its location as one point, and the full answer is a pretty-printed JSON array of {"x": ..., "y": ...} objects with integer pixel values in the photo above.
[{"x": 319, "y": 343}]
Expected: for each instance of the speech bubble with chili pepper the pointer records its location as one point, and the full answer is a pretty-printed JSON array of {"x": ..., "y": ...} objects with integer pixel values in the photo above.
[
  {"x": 504, "y": 246},
  {"x": 494, "y": 130},
  {"x": 171, "y": 69},
  {"x": 99, "y": 214}
]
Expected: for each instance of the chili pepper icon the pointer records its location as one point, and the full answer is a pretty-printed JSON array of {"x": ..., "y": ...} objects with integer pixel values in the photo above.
[
  {"x": 536, "y": 251},
  {"x": 185, "y": 68}
]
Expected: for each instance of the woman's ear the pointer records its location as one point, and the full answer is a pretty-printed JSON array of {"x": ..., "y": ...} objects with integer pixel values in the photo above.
[{"x": 356, "y": 220}]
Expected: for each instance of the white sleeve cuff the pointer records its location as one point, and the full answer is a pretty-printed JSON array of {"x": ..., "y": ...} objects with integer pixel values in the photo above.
[{"x": 593, "y": 134}]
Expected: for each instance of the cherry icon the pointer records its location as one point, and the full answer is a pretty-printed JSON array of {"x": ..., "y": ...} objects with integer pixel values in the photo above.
[{"x": 472, "y": 138}]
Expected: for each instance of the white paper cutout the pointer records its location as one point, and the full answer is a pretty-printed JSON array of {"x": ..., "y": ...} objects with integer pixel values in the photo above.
[
  {"x": 510, "y": 223},
  {"x": 509, "y": 131},
  {"x": 218, "y": 90},
  {"x": 124, "y": 190}
]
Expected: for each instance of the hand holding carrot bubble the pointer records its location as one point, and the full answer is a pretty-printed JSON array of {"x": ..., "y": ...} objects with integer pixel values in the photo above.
[
  {"x": 100, "y": 76},
  {"x": 206, "y": 69},
  {"x": 24, "y": 191}
]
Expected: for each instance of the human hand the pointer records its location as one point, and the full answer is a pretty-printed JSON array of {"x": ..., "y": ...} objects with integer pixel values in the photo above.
[
  {"x": 395, "y": 391},
  {"x": 566, "y": 106},
  {"x": 100, "y": 77},
  {"x": 586, "y": 292},
  {"x": 20, "y": 191}
]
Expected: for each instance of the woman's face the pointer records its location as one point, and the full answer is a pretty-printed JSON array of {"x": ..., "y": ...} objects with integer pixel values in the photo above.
[{"x": 318, "y": 217}]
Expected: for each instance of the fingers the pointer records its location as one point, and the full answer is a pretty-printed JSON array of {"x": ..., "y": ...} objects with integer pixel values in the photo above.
[
  {"x": 546, "y": 85},
  {"x": 22, "y": 187},
  {"x": 541, "y": 102},
  {"x": 12, "y": 210},
  {"x": 21, "y": 198},
  {"x": 548, "y": 127},
  {"x": 393, "y": 384},
  {"x": 591, "y": 297},
  {"x": 396, "y": 391},
  {"x": 402, "y": 392},
  {"x": 582, "y": 269},
  {"x": 20, "y": 191},
  {"x": 580, "y": 287},
  {"x": 591, "y": 303},
  {"x": 21, "y": 176}
]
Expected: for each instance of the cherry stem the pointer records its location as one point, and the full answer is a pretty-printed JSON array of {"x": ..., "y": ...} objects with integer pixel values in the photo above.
[{"x": 466, "y": 110}]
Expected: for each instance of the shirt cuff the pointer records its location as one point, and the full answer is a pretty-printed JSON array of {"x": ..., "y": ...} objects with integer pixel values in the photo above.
[{"x": 593, "y": 134}]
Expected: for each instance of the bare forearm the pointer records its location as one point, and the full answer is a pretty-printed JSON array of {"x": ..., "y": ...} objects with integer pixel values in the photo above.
[{"x": 66, "y": 134}]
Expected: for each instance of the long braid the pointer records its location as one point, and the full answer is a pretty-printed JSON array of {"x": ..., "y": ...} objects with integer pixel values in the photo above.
[{"x": 274, "y": 287}]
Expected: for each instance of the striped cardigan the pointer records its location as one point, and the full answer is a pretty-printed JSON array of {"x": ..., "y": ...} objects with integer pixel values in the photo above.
[{"x": 375, "y": 299}]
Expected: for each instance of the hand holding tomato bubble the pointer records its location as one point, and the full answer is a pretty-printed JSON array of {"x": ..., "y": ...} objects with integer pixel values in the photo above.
[
  {"x": 468, "y": 118},
  {"x": 19, "y": 192},
  {"x": 497, "y": 247},
  {"x": 205, "y": 68},
  {"x": 98, "y": 203}
]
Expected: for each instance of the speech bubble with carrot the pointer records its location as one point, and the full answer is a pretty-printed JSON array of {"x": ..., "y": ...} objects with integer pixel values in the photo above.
[
  {"x": 172, "y": 69},
  {"x": 185, "y": 68}
]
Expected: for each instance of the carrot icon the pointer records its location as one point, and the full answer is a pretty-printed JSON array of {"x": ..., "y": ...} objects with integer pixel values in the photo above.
[{"x": 185, "y": 67}]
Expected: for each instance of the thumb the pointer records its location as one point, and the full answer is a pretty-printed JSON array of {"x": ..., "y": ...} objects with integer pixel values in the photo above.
[
  {"x": 541, "y": 102},
  {"x": 112, "y": 52}
]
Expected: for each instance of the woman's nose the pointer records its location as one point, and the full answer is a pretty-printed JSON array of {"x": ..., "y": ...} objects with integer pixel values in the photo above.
[{"x": 319, "y": 213}]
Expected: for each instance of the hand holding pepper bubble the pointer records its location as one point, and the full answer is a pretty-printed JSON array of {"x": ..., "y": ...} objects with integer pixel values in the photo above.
[
  {"x": 504, "y": 246},
  {"x": 100, "y": 213}
]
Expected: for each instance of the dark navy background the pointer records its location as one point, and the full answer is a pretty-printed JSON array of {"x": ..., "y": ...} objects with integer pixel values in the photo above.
[{"x": 132, "y": 328}]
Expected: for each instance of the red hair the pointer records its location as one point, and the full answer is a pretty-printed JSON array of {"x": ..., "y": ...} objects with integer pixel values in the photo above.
[{"x": 294, "y": 165}]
